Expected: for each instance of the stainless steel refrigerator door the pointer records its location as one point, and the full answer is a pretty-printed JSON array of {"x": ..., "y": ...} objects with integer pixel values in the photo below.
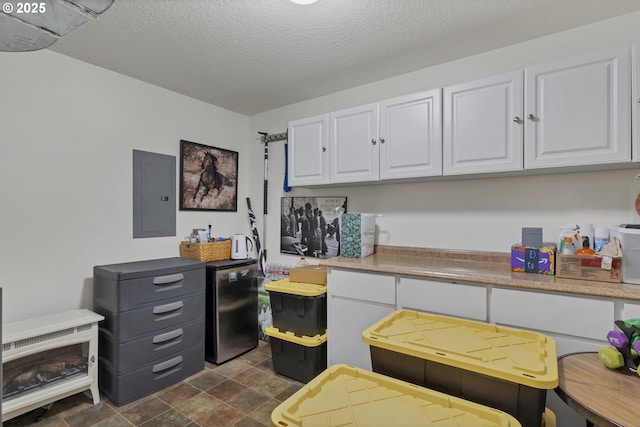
[{"x": 236, "y": 311}]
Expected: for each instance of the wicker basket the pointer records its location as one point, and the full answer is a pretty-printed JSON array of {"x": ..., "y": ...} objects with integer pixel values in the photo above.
[{"x": 212, "y": 251}]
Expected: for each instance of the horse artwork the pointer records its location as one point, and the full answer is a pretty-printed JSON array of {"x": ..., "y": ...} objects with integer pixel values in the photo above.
[{"x": 208, "y": 178}]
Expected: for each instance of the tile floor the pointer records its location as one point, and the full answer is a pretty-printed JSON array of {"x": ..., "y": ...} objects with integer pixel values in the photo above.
[{"x": 238, "y": 393}]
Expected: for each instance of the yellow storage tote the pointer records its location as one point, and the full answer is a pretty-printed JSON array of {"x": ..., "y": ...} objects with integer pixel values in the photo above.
[
  {"x": 505, "y": 368},
  {"x": 344, "y": 395}
]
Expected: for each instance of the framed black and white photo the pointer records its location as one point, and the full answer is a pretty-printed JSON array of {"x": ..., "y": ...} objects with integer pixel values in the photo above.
[
  {"x": 208, "y": 178},
  {"x": 310, "y": 226}
]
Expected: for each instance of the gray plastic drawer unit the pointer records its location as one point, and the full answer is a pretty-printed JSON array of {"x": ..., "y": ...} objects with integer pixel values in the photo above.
[
  {"x": 153, "y": 332},
  {"x": 123, "y": 286},
  {"x": 129, "y": 324},
  {"x": 165, "y": 342},
  {"x": 159, "y": 373}
]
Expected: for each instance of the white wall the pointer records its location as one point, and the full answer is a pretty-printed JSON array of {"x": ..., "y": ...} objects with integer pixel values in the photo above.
[
  {"x": 67, "y": 131},
  {"x": 66, "y": 139},
  {"x": 481, "y": 214}
]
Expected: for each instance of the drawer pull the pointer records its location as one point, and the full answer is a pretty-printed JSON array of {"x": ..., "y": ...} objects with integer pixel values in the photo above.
[
  {"x": 168, "y": 336},
  {"x": 159, "y": 309},
  {"x": 171, "y": 278},
  {"x": 166, "y": 365}
]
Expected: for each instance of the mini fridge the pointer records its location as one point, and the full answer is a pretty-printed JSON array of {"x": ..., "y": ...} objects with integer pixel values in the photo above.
[{"x": 232, "y": 309}]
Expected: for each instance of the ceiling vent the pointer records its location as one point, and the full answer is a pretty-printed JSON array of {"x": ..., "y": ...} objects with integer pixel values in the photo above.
[{"x": 27, "y": 26}]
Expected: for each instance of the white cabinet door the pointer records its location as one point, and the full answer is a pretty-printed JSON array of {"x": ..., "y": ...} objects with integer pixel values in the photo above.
[
  {"x": 576, "y": 316},
  {"x": 345, "y": 323},
  {"x": 451, "y": 299},
  {"x": 578, "y": 111},
  {"x": 308, "y": 158},
  {"x": 411, "y": 136},
  {"x": 353, "y": 144},
  {"x": 355, "y": 301},
  {"x": 483, "y": 125}
]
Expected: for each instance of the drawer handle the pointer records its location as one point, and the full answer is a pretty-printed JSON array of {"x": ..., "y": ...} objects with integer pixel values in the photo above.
[
  {"x": 166, "y": 365},
  {"x": 167, "y": 336},
  {"x": 159, "y": 309},
  {"x": 172, "y": 278}
]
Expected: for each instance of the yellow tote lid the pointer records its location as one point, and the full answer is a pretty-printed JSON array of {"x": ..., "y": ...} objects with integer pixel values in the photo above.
[
  {"x": 296, "y": 288},
  {"x": 516, "y": 355},
  {"x": 345, "y": 395},
  {"x": 291, "y": 337}
]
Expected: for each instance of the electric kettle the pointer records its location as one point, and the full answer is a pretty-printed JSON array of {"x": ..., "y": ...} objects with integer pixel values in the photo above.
[{"x": 239, "y": 247}]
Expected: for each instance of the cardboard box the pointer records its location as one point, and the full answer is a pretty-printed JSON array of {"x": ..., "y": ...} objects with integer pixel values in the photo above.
[
  {"x": 588, "y": 268},
  {"x": 315, "y": 274},
  {"x": 533, "y": 260},
  {"x": 357, "y": 234}
]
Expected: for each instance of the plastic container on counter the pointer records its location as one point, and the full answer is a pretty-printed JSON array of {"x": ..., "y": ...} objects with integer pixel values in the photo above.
[{"x": 630, "y": 243}]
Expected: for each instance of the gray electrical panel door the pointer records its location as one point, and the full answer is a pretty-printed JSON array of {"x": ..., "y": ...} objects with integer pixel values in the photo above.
[{"x": 154, "y": 194}]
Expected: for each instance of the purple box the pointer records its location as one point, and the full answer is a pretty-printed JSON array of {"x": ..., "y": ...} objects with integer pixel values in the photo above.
[{"x": 533, "y": 260}]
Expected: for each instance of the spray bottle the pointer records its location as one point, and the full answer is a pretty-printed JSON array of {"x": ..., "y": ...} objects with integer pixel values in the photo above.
[{"x": 568, "y": 231}]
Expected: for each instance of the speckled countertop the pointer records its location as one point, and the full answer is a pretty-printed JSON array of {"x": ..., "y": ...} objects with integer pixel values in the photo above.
[{"x": 489, "y": 268}]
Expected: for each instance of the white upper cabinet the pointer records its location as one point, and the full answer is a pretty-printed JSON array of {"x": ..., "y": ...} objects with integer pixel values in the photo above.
[
  {"x": 411, "y": 136},
  {"x": 635, "y": 102},
  {"x": 578, "y": 111},
  {"x": 353, "y": 144},
  {"x": 307, "y": 153},
  {"x": 483, "y": 125},
  {"x": 572, "y": 113}
]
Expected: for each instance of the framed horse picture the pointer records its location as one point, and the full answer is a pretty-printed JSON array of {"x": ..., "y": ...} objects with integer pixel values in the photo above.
[{"x": 208, "y": 178}]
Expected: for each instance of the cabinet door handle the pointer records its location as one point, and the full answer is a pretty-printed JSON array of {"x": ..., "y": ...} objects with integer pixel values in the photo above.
[
  {"x": 381, "y": 140},
  {"x": 517, "y": 119},
  {"x": 324, "y": 149},
  {"x": 532, "y": 117},
  {"x": 168, "y": 336},
  {"x": 167, "y": 365},
  {"x": 172, "y": 278},
  {"x": 373, "y": 141},
  {"x": 160, "y": 309}
]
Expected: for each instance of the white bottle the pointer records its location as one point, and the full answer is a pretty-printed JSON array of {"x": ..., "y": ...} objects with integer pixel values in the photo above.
[
  {"x": 302, "y": 262},
  {"x": 600, "y": 238}
]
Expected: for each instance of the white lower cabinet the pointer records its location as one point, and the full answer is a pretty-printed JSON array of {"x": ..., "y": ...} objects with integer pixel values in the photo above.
[
  {"x": 576, "y": 323},
  {"x": 451, "y": 299},
  {"x": 355, "y": 301},
  {"x": 630, "y": 311},
  {"x": 561, "y": 314}
]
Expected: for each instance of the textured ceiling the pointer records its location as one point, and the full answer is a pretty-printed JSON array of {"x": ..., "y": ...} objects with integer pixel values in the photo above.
[{"x": 251, "y": 56}]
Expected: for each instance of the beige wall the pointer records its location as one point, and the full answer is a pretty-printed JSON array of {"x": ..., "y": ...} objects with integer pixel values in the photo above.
[
  {"x": 479, "y": 214},
  {"x": 68, "y": 129},
  {"x": 66, "y": 138}
]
